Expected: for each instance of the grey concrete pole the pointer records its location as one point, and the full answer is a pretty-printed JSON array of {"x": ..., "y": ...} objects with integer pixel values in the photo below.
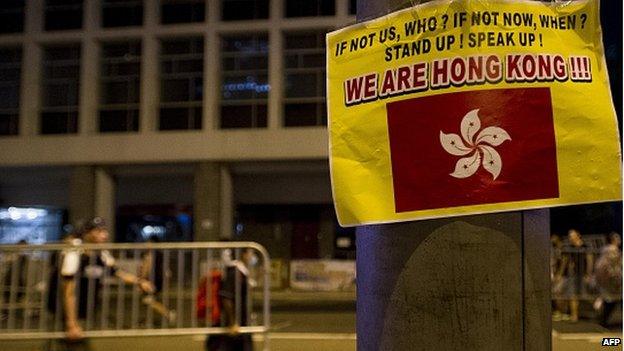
[
  {"x": 207, "y": 201},
  {"x": 467, "y": 283},
  {"x": 92, "y": 193},
  {"x": 81, "y": 194}
]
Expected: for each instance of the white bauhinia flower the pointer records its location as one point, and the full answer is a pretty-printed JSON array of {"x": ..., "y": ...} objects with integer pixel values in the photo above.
[{"x": 477, "y": 145}]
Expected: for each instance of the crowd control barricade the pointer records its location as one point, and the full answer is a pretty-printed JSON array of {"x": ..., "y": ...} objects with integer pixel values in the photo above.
[
  {"x": 587, "y": 287},
  {"x": 32, "y": 301}
]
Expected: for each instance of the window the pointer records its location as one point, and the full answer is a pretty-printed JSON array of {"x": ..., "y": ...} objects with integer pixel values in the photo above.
[
  {"x": 304, "y": 79},
  {"x": 308, "y": 8},
  {"x": 122, "y": 13},
  {"x": 182, "y": 11},
  {"x": 63, "y": 14},
  {"x": 11, "y": 16},
  {"x": 244, "y": 88},
  {"x": 353, "y": 7},
  {"x": 60, "y": 87},
  {"x": 10, "y": 71},
  {"x": 120, "y": 86},
  {"x": 235, "y": 10},
  {"x": 181, "y": 67}
]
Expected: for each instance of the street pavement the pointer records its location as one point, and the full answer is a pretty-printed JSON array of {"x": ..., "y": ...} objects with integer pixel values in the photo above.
[
  {"x": 286, "y": 341},
  {"x": 328, "y": 326}
]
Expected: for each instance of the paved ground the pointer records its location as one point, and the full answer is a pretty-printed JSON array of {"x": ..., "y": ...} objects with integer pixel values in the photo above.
[
  {"x": 291, "y": 342},
  {"x": 316, "y": 331},
  {"x": 309, "y": 325},
  {"x": 583, "y": 341},
  {"x": 283, "y": 342}
]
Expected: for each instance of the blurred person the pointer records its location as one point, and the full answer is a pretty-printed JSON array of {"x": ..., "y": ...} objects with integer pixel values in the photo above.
[
  {"x": 208, "y": 293},
  {"x": 576, "y": 269},
  {"x": 235, "y": 313},
  {"x": 556, "y": 245},
  {"x": 555, "y": 253},
  {"x": 17, "y": 261},
  {"x": 609, "y": 277},
  {"x": 15, "y": 267},
  {"x": 152, "y": 269},
  {"x": 79, "y": 263}
]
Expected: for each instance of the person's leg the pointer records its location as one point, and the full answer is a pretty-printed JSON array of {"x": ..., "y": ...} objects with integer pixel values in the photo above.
[
  {"x": 248, "y": 342},
  {"x": 151, "y": 302},
  {"x": 577, "y": 288},
  {"x": 49, "y": 345},
  {"x": 77, "y": 345},
  {"x": 606, "y": 313},
  {"x": 574, "y": 304},
  {"x": 241, "y": 342},
  {"x": 217, "y": 343}
]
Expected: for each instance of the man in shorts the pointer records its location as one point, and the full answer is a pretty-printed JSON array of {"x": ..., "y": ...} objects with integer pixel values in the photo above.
[
  {"x": 234, "y": 295},
  {"x": 79, "y": 267},
  {"x": 577, "y": 263}
]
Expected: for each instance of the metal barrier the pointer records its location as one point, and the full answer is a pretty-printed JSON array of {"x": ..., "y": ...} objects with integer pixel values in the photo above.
[
  {"x": 32, "y": 281},
  {"x": 589, "y": 287}
]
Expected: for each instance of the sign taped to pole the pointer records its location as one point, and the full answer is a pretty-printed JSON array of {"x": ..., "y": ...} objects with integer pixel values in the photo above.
[{"x": 465, "y": 107}]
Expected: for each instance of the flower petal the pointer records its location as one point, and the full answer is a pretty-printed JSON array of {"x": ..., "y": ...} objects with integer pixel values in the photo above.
[
  {"x": 453, "y": 144},
  {"x": 470, "y": 124},
  {"x": 467, "y": 166},
  {"x": 491, "y": 160},
  {"x": 493, "y": 136}
]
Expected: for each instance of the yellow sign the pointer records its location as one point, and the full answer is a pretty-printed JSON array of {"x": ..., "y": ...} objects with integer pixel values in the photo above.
[{"x": 464, "y": 107}]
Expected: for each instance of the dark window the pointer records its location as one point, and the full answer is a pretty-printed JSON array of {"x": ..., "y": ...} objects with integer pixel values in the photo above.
[
  {"x": 120, "y": 86},
  {"x": 63, "y": 14},
  {"x": 244, "y": 116},
  {"x": 122, "y": 13},
  {"x": 10, "y": 74},
  {"x": 305, "y": 114},
  {"x": 8, "y": 123},
  {"x": 60, "y": 89},
  {"x": 353, "y": 7},
  {"x": 182, "y": 11},
  {"x": 181, "y": 93},
  {"x": 235, "y": 10},
  {"x": 59, "y": 122},
  {"x": 244, "y": 81},
  {"x": 11, "y": 16},
  {"x": 304, "y": 79},
  {"x": 124, "y": 120},
  {"x": 173, "y": 118},
  {"x": 309, "y": 8}
]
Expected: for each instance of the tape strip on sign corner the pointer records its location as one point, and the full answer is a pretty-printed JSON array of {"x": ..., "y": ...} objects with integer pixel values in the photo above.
[{"x": 469, "y": 107}]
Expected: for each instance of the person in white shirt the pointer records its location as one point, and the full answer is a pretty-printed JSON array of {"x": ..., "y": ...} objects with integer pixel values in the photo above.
[{"x": 81, "y": 263}]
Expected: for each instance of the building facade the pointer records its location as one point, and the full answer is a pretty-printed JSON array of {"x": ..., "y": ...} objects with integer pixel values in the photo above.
[
  {"x": 192, "y": 119},
  {"x": 203, "y": 117}
]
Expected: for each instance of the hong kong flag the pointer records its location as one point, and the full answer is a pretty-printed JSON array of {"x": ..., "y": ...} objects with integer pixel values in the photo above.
[{"x": 470, "y": 148}]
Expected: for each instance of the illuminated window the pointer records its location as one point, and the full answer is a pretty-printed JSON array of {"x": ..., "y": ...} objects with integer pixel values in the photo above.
[
  {"x": 11, "y": 16},
  {"x": 60, "y": 87},
  {"x": 122, "y": 13},
  {"x": 310, "y": 8},
  {"x": 236, "y": 10},
  {"x": 304, "y": 79},
  {"x": 10, "y": 71},
  {"x": 244, "y": 81},
  {"x": 181, "y": 67},
  {"x": 31, "y": 224},
  {"x": 120, "y": 86},
  {"x": 63, "y": 14},
  {"x": 182, "y": 11}
]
